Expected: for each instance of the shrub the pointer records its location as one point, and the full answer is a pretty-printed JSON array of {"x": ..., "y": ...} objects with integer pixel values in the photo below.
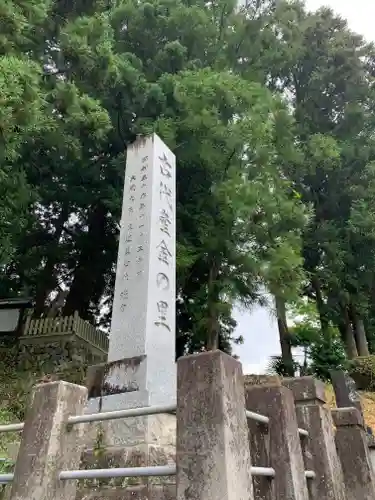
[{"x": 362, "y": 370}]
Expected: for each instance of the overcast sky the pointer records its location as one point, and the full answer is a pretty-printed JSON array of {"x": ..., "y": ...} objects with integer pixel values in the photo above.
[{"x": 259, "y": 327}]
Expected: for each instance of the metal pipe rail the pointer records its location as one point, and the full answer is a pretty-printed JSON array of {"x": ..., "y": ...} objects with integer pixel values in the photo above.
[
  {"x": 303, "y": 432},
  {"x": 101, "y": 417},
  {"x": 163, "y": 470},
  {"x": 134, "y": 412},
  {"x": 6, "y": 478},
  {"x": 114, "y": 415},
  {"x": 12, "y": 427},
  {"x": 257, "y": 417},
  {"x": 310, "y": 474},
  {"x": 263, "y": 419},
  {"x": 263, "y": 471}
]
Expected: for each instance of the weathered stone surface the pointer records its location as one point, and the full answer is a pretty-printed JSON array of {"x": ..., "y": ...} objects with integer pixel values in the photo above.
[
  {"x": 135, "y": 456},
  {"x": 250, "y": 380},
  {"x": 143, "y": 316},
  {"x": 281, "y": 448},
  {"x": 47, "y": 447},
  {"x": 131, "y": 442},
  {"x": 141, "y": 370},
  {"x": 353, "y": 451},
  {"x": 346, "y": 391},
  {"x": 306, "y": 389},
  {"x": 117, "y": 377},
  {"x": 151, "y": 492},
  {"x": 213, "y": 458},
  {"x": 346, "y": 417},
  {"x": 127, "y": 442},
  {"x": 319, "y": 447},
  {"x": 154, "y": 429},
  {"x": 371, "y": 446}
]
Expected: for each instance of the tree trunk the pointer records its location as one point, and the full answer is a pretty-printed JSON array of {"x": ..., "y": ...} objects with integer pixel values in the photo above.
[
  {"x": 93, "y": 266},
  {"x": 47, "y": 280},
  {"x": 213, "y": 298},
  {"x": 347, "y": 335},
  {"x": 360, "y": 333},
  {"x": 321, "y": 307},
  {"x": 285, "y": 337}
]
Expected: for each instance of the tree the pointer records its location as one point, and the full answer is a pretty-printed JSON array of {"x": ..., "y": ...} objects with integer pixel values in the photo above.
[
  {"x": 22, "y": 113},
  {"x": 111, "y": 72},
  {"x": 326, "y": 76},
  {"x": 322, "y": 351}
]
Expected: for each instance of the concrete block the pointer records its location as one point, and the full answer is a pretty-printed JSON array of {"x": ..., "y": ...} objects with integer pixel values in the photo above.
[
  {"x": 213, "y": 458},
  {"x": 47, "y": 445},
  {"x": 352, "y": 448},
  {"x": 319, "y": 447},
  {"x": 277, "y": 445}
]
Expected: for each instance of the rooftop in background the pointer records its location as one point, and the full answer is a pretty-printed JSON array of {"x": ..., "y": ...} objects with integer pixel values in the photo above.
[{"x": 16, "y": 303}]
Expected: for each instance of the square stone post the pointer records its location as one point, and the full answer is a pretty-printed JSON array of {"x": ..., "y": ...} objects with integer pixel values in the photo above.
[
  {"x": 320, "y": 453},
  {"x": 213, "y": 457},
  {"x": 47, "y": 445},
  {"x": 141, "y": 367},
  {"x": 353, "y": 451},
  {"x": 277, "y": 445}
]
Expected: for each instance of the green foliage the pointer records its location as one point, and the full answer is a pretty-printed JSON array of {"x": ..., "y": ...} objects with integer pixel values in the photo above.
[
  {"x": 323, "y": 351},
  {"x": 362, "y": 370},
  {"x": 269, "y": 110}
]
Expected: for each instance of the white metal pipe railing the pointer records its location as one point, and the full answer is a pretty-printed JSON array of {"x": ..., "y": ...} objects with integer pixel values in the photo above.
[
  {"x": 113, "y": 415},
  {"x": 263, "y": 419},
  {"x": 310, "y": 474},
  {"x": 257, "y": 417},
  {"x": 12, "y": 427},
  {"x": 6, "y": 478},
  {"x": 303, "y": 432},
  {"x": 135, "y": 412},
  {"x": 164, "y": 470},
  {"x": 263, "y": 471}
]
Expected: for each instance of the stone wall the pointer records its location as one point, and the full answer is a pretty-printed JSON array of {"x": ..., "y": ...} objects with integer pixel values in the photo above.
[{"x": 296, "y": 453}]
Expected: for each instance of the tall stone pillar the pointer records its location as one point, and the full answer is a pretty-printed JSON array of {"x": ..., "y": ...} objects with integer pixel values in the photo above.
[
  {"x": 141, "y": 368},
  {"x": 320, "y": 453},
  {"x": 276, "y": 444},
  {"x": 352, "y": 448},
  {"x": 213, "y": 457}
]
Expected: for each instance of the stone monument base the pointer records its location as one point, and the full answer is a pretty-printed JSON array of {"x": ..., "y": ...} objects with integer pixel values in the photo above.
[
  {"x": 143, "y": 441},
  {"x": 150, "y": 492}
]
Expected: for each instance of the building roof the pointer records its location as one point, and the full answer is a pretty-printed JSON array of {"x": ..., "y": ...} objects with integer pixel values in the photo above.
[{"x": 16, "y": 303}]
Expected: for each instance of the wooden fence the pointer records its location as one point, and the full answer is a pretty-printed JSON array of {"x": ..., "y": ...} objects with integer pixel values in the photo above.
[{"x": 66, "y": 325}]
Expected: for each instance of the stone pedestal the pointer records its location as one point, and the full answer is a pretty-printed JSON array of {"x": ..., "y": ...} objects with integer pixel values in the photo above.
[
  {"x": 276, "y": 445},
  {"x": 126, "y": 442},
  {"x": 141, "y": 370},
  {"x": 353, "y": 451},
  {"x": 320, "y": 454}
]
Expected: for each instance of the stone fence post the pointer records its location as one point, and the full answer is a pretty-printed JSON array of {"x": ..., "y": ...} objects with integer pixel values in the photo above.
[
  {"x": 47, "y": 446},
  {"x": 213, "y": 457},
  {"x": 276, "y": 444},
  {"x": 320, "y": 453},
  {"x": 353, "y": 451}
]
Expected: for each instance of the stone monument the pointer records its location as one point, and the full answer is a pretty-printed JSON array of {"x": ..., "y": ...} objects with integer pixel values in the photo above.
[{"x": 141, "y": 368}]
